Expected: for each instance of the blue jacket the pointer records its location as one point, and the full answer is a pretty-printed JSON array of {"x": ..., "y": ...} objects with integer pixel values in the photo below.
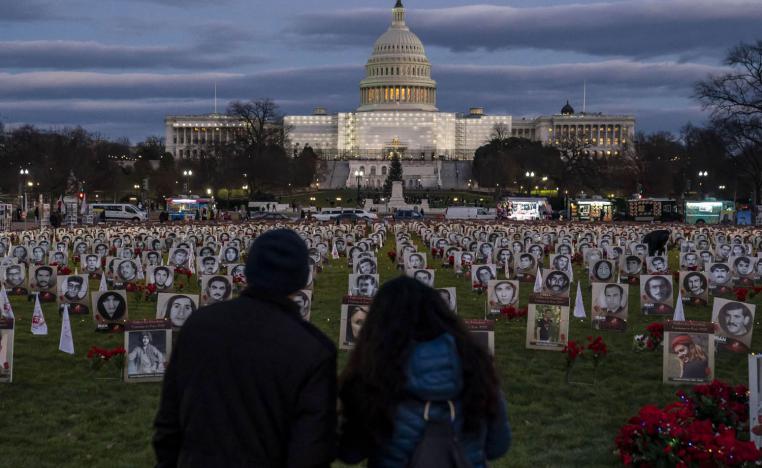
[{"x": 434, "y": 374}]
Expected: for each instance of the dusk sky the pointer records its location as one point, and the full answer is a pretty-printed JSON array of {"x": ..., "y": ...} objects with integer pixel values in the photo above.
[{"x": 117, "y": 67}]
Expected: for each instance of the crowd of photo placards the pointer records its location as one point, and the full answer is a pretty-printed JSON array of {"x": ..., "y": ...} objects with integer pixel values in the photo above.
[{"x": 496, "y": 258}]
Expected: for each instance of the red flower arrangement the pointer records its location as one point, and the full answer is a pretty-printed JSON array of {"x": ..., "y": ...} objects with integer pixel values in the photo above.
[
  {"x": 651, "y": 339},
  {"x": 577, "y": 258},
  {"x": 434, "y": 251},
  {"x": 100, "y": 356},
  {"x": 451, "y": 260},
  {"x": 130, "y": 287},
  {"x": 184, "y": 271},
  {"x": 478, "y": 287},
  {"x": 598, "y": 348},
  {"x": 64, "y": 270},
  {"x": 701, "y": 429},
  {"x": 392, "y": 255},
  {"x": 512, "y": 313},
  {"x": 741, "y": 293},
  {"x": 572, "y": 351}
]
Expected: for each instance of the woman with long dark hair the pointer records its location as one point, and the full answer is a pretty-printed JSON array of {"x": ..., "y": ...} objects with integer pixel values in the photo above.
[{"x": 414, "y": 357}]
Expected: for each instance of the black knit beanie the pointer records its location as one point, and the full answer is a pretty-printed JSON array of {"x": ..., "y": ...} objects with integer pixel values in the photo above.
[{"x": 278, "y": 263}]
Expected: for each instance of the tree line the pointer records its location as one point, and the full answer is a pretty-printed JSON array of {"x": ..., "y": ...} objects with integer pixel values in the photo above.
[
  {"x": 722, "y": 158},
  {"x": 72, "y": 160}
]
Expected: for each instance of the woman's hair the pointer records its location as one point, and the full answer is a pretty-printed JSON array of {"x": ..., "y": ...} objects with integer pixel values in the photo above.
[{"x": 404, "y": 313}]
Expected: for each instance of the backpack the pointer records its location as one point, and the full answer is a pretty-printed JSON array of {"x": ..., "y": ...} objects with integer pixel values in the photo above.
[{"x": 439, "y": 447}]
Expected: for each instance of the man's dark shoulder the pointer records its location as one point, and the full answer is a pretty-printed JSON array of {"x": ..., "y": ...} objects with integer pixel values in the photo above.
[{"x": 248, "y": 311}]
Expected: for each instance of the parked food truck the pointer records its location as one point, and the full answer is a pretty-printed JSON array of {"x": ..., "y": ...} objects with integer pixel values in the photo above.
[
  {"x": 185, "y": 207},
  {"x": 709, "y": 211},
  {"x": 591, "y": 210},
  {"x": 653, "y": 209},
  {"x": 524, "y": 208}
]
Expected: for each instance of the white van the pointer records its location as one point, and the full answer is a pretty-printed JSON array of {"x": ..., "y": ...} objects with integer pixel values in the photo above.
[
  {"x": 468, "y": 212},
  {"x": 117, "y": 212},
  {"x": 327, "y": 214}
]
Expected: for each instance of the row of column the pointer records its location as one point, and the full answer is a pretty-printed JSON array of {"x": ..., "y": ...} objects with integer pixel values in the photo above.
[
  {"x": 188, "y": 136},
  {"x": 601, "y": 134},
  {"x": 387, "y": 94}
]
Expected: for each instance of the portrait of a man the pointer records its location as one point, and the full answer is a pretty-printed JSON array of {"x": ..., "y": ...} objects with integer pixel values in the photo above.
[
  {"x": 610, "y": 306},
  {"x": 126, "y": 271},
  {"x": 366, "y": 266},
  {"x": 14, "y": 279},
  {"x": 689, "y": 261},
  {"x": 231, "y": 254},
  {"x": 216, "y": 288},
  {"x": 424, "y": 276},
  {"x": 632, "y": 265},
  {"x": 735, "y": 321},
  {"x": 691, "y": 356},
  {"x": 526, "y": 267},
  {"x": 208, "y": 265},
  {"x": 147, "y": 353},
  {"x": 43, "y": 278},
  {"x": 179, "y": 257},
  {"x": 556, "y": 283},
  {"x": 363, "y": 285},
  {"x": 161, "y": 276},
  {"x": 414, "y": 261},
  {"x": 501, "y": 294},
  {"x": 694, "y": 287},
  {"x": 720, "y": 279},
  {"x": 657, "y": 265},
  {"x": 547, "y": 327},
  {"x": 73, "y": 290},
  {"x": 656, "y": 295}
]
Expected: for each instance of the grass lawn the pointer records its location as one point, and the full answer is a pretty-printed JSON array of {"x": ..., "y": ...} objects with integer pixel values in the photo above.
[{"x": 58, "y": 413}]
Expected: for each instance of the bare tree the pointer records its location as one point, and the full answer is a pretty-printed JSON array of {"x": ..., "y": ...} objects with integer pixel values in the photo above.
[
  {"x": 500, "y": 132},
  {"x": 735, "y": 102},
  {"x": 261, "y": 142}
]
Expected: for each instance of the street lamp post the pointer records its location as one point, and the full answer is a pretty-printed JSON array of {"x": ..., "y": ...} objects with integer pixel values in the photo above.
[
  {"x": 529, "y": 175},
  {"x": 23, "y": 173},
  {"x": 702, "y": 175},
  {"x": 187, "y": 174},
  {"x": 358, "y": 177}
]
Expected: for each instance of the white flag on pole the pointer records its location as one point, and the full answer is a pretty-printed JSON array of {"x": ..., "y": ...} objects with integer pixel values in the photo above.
[
  {"x": 679, "y": 315},
  {"x": 538, "y": 281},
  {"x": 7, "y": 309},
  {"x": 83, "y": 210},
  {"x": 334, "y": 251},
  {"x": 103, "y": 286},
  {"x": 66, "y": 342},
  {"x": 39, "y": 326},
  {"x": 579, "y": 304}
]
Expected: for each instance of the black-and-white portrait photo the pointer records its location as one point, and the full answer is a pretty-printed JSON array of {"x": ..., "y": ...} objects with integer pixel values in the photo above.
[
  {"x": 109, "y": 306},
  {"x": 161, "y": 276},
  {"x": 424, "y": 276},
  {"x": 14, "y": 279},
  {"x": 147, "y": 354},
  {"x": 303, "y": 298},
  {"x": 363, "y": 285},
  {"x": 176, "y": 307},
  {"x": 216, "y": 288},
  {"x": 179, "y": 256}
]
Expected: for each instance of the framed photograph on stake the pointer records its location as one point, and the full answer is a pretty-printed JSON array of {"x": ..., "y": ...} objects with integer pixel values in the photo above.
[
  {"x": 176, "y": 308},
  {"x": 547, "y": 327},
  {"x": 149, "y": 345},
  {"x": 501, "y": 294},
  {"x": 734, "y": 322},
  {"x": 354, "y": 311},
  {"x": 483, "y": 332},
  {"x": 610, "y": 306},
  {"x": 6, "y": 349},
  {"x": 688, "y": 355}
]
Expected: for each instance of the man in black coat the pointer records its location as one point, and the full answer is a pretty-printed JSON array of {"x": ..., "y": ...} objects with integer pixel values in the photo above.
[
  {"x": 657, "y": 242},
  {"x": 250, "y": 383}
]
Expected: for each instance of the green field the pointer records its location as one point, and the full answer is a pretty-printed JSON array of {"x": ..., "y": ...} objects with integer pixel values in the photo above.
[{"x": 57, "y": 412}]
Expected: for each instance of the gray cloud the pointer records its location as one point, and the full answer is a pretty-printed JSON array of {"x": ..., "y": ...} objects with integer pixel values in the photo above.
[
  {"x": 26, "y": 10},
  {"x": 657, "y": 93},
  {"x": 70, "y": 55},
  {"x": 635, "y": 28}
]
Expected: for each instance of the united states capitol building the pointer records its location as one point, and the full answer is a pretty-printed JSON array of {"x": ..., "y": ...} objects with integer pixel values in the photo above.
[{"x": 398, "y": 116}]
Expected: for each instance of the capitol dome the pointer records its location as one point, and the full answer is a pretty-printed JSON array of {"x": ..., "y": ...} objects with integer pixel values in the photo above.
[{"x": 398, "y": 73}]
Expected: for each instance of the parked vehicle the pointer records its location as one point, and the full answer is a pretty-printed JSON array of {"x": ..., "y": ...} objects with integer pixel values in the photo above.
[
  {"x": 524, "y": 208},
  {"x": 117, "y": 212},
  {"x": 653, "y": 209},
  {"x": 180, "y": 208},
  {"x": 468, "y": 212},
  {"x": 331, "y": 213},
  {"x": 709, "y": 211},
  {"x": 406, "y": 215}
]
